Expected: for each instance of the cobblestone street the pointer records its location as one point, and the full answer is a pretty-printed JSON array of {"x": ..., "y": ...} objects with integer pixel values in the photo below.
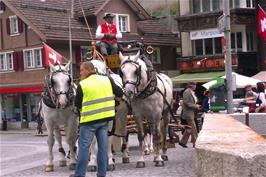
[{"x": 23, "y": 155}]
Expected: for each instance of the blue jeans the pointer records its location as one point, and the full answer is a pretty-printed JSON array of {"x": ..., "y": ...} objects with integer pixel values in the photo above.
[
  {"x": 108, "y": 49},
  {"x": 87, "y": 133}
]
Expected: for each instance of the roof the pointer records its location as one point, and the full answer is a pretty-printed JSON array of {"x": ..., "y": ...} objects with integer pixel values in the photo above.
[
  {"x": 197, "y": 77},
  {"x": 93, "y": 7},
  {"x": 155, "y": 33},
  {"x": 53, "y": 19}
]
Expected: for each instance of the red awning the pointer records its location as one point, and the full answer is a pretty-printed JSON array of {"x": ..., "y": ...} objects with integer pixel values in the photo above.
[{"x": 21, "y": 89}]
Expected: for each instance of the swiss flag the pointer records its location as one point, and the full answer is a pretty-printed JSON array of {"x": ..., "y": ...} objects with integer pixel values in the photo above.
[
  {"x": 51, "y": 55},
  {"x": 262, "y": 23}
]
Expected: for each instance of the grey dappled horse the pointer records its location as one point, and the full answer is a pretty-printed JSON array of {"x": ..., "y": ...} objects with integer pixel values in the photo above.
[
  {"x": 120, "y": 116},
  {"x": 57, "y": 109},
  {"x": 155, "y": 107}
]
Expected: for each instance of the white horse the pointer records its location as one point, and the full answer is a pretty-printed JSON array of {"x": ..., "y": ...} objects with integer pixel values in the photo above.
[
  {"x": 120, "y": 117},
  {"x": 57, "y": 109},
  {"x": 154, "y": 106}
]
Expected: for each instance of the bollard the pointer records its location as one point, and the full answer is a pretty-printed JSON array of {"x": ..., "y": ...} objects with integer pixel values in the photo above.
[{"x": 247, "y": 119}]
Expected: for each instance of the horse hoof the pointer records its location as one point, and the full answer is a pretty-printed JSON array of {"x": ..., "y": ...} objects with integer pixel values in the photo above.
[
  {"x": 164, "y": 157},
  {"x": 91, "y": 168},
  {"x": 159, "y": 163},
  {"x": 111, "y": 167},
  {"x": 125, "y": 160},
  {"x": 49, "y": 168},
  {"x": 147, "y": 152},
  {"x": 140, "y": 165},
  {"x": 72, "y": 166},
  {"x": 62, "y": 163}
]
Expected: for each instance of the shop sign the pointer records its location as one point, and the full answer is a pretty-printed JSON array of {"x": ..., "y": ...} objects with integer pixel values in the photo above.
[
  {"x": 210, "y": 63},
  {"x": 206, "y": 33}
]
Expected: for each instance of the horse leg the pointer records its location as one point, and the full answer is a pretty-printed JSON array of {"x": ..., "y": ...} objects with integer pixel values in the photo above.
[
  {"x": 49, "y": 166},
  {"x": 71, "y": 137},
  {"x": 120, "y": 129},
  {"x": 124, "y": 149},
  {"x": 93, "y": 151},
  {"x": 111, "y": 164},
  {"x": 140, "y": 162},
  {"x": 164, "y": 124},
  {"x": 146, "y": 144},
  {"x": 58, "y": 137},
  {"x": 156, "y": 140}
]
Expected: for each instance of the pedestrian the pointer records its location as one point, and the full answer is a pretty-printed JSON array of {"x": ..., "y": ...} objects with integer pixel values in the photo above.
[
  {"x": 190, "y": 107},
  {"x": 95, "y": 100},
  {"x": 205, "y": 101},
  {"x": 39, "y": 124},
  {"x": 260, "y": 101},
  {"x": 108, "y": 34}
]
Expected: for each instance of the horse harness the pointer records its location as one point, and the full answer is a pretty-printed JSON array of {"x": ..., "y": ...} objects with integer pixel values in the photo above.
[
  {"x": 50, "y": 94},
  {"x": 151, "y": 85}
]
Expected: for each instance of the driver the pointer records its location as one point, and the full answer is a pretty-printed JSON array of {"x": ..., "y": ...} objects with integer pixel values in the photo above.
[{"x": 108, "y": 34}]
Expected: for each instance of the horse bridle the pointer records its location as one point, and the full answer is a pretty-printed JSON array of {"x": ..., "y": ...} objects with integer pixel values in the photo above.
[
  {"x": 53, "y": 92},
  {"x": 138, "y": 73}
]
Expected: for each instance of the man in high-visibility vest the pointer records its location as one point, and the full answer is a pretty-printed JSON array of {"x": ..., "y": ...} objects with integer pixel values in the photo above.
[
  {"x": 95, "y": 100},
  {"x": 108, "y": 34}
]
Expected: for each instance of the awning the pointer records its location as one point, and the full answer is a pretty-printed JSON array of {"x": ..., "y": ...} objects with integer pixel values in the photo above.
[
  {"x": 21, "y": 89},
  {"x": 196, "y": 77}
]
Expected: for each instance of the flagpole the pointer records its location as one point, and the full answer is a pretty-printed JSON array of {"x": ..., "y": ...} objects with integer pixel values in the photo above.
[{"x": 70, "y": 37}]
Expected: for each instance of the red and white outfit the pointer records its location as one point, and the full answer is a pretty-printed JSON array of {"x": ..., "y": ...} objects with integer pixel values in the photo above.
[{"x": 108, "y": 28}]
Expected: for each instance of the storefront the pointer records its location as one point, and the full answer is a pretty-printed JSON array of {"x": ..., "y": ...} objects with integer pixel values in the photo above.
[{"x": 20, "y": 104}]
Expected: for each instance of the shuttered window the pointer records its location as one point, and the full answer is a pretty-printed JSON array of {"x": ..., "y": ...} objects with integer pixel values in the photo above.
[
  {"x": 6, "y": 61},
  {"x": 13, "y": 25},
  {"x": 33, "y": 58}
]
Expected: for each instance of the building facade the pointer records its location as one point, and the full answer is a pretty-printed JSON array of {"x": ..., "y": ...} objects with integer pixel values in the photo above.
[
  {"x": 203, "y": 44},
  {"x": 25, "y": 27}
]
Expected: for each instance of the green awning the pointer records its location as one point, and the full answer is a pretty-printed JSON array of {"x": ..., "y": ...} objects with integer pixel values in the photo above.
[{"x": 196, "y": 77}]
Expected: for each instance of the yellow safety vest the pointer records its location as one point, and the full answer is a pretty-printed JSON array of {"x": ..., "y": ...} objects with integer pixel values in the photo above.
[{"x": 98, "y": 98}]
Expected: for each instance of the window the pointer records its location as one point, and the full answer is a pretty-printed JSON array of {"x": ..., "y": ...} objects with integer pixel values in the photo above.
[
  {"x": 236, "y": 41},
  {"x": 2, "y": 7},
  {"x": 6, "y": 61},
  {"x": 250, "y": 3},
  {"x": 33, "y": 58},
  {"x": 206, "y": 5},
  {"x": 250, "y": 41},
  {"x": 155, "y": 57},
  {"x": 122, "y": 22},
  {"x": 208, "y": 46},
  {"x": 13, "y": 25},
  {"x": 199, "y": 47}
]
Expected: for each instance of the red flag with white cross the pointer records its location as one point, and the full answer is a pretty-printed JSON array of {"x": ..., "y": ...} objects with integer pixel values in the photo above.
[
  {"x": 262, "y": 23},
  {"x": 51, "y": 55}
]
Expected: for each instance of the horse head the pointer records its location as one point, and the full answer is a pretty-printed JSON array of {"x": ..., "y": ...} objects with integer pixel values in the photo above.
[
  {"x": 60, "y": 84},
  {"x": 133, "y": 73},
  {"x": 102, "y": 69}
]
